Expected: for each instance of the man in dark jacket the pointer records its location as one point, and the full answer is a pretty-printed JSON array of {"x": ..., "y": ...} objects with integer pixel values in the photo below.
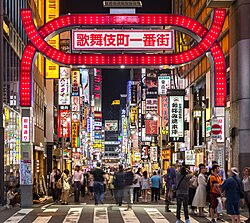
[
  {"x": 128, "y": 189},
  {"x": 119, "y": 185}
]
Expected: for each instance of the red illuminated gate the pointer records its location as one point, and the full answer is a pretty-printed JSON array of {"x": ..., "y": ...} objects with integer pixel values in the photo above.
[{"x": 38, "y": 38}]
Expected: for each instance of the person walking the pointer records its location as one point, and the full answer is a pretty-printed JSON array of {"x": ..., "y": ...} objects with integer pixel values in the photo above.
[
  {"x": 246, "y": 188},
  {"x": 77, "y": 180},
  {"x": 66, "y": 187},
  {"x": 215, "y": 181},
  {"x": 119, "y": 184},
  {"x": 111, "y": 184},
  {"x": 170, "y": 180},
  {"x": 128, "y": 189},
  {"x": 200, "y": 197},
  {"x": 98, "y": 175},
  {"x": 182, "y": 189},
  {"x": 91, "y": 186},
  {"x": 155, "y": 187},
  {"x": 137, "y": 187},
  {"x": 233, "y": 187},
  {"x": 53, "y": 184},
  {"x": 145, "y": 186}
]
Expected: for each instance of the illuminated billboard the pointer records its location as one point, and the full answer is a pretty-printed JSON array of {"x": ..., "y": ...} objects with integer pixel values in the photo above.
[
  {"x": 111, "y": 125},
  {"x": 64, "y": 86}
]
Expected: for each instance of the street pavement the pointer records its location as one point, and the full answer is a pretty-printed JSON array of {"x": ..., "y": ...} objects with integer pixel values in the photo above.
[{"x": 87, "y": 212}]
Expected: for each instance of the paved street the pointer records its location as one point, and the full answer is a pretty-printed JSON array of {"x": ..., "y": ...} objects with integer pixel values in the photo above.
[{"x": 87, "y": 212}]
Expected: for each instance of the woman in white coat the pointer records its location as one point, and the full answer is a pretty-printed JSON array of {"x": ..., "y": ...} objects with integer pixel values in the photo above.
[{"x": 199, "y": 200}]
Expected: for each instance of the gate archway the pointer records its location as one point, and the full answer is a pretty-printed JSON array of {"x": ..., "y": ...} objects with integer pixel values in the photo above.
[{"x": 207, "y": 42}]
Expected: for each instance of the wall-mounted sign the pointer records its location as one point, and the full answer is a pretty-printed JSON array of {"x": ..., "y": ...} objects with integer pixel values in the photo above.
[
  {"x": 111, "y": 125},
  {"x": 64, "y": 86},
  {"x": 134, "y": 94},
  {"x": 176, "y": 119},
  {"x": 153, "y": 153},
  {"x": 75, "y": 103},
  {"x": 75, "y": 135},
  {"x": 85, "y": 85},
  {"x": 151, "y": 104},
  {"x": 75, "y": 81},
  {"x": 123, "y": 39},
  {"x": 189, "y": 157},
  {"x": 52, "y": 12},
  {"x": 151, "y": 127},
  {"x": 163, "y": 84},
  {"x": 64, "y": 123},
  {"x": 25, "y": 129},
  {"x": 221, "y": 123}
]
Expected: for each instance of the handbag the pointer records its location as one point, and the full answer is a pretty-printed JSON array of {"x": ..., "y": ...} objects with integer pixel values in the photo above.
[
  {"x": 241, "y": 191},
  {"x": 66, "y": 185}
]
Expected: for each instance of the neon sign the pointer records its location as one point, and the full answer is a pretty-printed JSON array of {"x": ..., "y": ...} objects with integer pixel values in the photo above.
[{"x": 208, "y": 43}]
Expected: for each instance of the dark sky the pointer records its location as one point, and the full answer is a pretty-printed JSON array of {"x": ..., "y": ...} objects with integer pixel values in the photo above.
[{"x": 114, "y": 80}]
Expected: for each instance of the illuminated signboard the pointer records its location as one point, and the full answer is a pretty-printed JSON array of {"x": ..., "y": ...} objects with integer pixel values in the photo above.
[
  {"x": 207, "y": 41},
  {"x": 176, "y": 119},
  {"x": 64, "y": 86},
  {"x": 123, "y": 40},
  {"x": 85, "y": 85},
  {"x": 111, "y": 125},
  {"x": 52, "y": 12},
  {"x": 151, "y": 127},
  {"x": 75, "y": 103},
  {"x": 75, "y": 134},
  {"x": 25, "y": 129},
  {"x": 75, "y": 81},
  {"x": 64, "y": 123},
  {"x": 163, "y": 84}
]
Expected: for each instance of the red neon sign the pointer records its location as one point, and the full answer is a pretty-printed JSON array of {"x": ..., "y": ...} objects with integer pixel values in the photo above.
[{"x": 208, "y": 42}]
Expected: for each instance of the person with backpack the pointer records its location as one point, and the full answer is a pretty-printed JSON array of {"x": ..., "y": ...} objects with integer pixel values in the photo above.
[
  {"x": 233, "y": 188},
  {"x": 183, "y": 178},
  {"x": 215, "y": 181}
]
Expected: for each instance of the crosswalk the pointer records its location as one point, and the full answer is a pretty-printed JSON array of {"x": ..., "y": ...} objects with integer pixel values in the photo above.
[{"x": 101, "y": 214}]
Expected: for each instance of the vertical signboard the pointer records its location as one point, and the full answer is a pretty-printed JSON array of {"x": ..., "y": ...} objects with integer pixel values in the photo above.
[
  {"x": 52, "y": 12},
  {"x": 85, "y": 85},
  {"x": 163, "y": 84},
  {"x": 64, "y": 123},
  {"x": 25, "y": 129},
  {"x": 153, "y": 154},
  {"x": 133, "y": 94},
  {"x": 64, "y": 86},
  {"x": 75, "y": 103},
  {"x": 163, "y": 102},
  {"x": 176, "y": 119},
  {"x": 151, "y": 127},
  {"x": 75, "y": 135},
  {"x": 97, "y": 89},
  {"x": 75, "y": 82}
]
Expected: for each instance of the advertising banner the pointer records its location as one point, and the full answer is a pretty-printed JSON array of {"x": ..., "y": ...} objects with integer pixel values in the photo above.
[
  {"x": 176, "y": 119},
  {"x": 144, "y": 152},
  {"x": 133, "y": 116},
  {"x": 98, "y": 89},
  {"x": 153, "y": 153},
  {"x": 52, "y": 12},
  {"x": 111, "y": 125},
  {"x": 75, "y": 103},
  {"x": 163, "y": 84},
  {"x": 64, "y": 123},
  {"x": 64, "y": 86},
  {"x": 85, "y": 85},
  {"x": 151, "y": 104},
  {"x": 151, "y": 127},
  {"x": 123, "y": 40},
  {"x": 190, "y": 157},
  {"x": 75, "y": 135}
]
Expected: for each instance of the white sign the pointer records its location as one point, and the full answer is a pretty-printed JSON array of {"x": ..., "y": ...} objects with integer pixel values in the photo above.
[
  {"x": 123, "y": 39},
  {"x": 163, "y": 84},
  {"x": 221, "y": 124},
  {"x": 64, "y": 86},
  {"x": 25, "y": 129},
  {"x": 189, "y": 157},
  {"x": 153, "y": 153},
  {"x": 176, "y": 121}
]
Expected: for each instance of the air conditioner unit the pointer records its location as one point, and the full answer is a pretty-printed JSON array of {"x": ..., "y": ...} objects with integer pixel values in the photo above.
[
  {"x": 122, "y": 4},
  {"x": 219, "y": 3}
]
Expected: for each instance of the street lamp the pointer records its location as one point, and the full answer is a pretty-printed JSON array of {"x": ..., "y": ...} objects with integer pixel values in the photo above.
[{"x": 155, "y": 118}]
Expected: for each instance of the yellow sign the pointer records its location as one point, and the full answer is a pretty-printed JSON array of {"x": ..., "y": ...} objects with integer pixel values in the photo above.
[
  {"x": 52, "y": 12},
  {"x": 116, "y": 102},
  {"x": 74, "y": 134}
]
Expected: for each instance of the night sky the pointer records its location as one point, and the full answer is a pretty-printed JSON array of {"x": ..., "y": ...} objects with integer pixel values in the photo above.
[{"x": 114, "y": 80}]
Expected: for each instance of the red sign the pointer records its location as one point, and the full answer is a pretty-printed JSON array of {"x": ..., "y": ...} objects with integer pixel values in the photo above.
[
  {"x": 151, "y": 127},
  {"x": 123, "y": 39},
  {"x": 216, "y": 129}
]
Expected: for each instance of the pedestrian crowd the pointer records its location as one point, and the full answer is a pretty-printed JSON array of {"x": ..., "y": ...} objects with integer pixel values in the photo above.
[{"x": 204, "y": 187}]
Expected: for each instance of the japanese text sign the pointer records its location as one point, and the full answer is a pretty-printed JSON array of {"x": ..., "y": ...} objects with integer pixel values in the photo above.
[
  {"x": 74, "y": 135},
  {"x": 163, "y": 84},
  {"x": 176, "y": 121},
  {"x": 123, "y": 39},
  {"x": 75, "y": 76},
  {"x": 25, "y": 129},
  {"x": 64, "y": 86}
]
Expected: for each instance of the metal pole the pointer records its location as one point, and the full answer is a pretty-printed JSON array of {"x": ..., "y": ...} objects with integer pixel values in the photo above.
[{"x": 1, "y": 110}]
